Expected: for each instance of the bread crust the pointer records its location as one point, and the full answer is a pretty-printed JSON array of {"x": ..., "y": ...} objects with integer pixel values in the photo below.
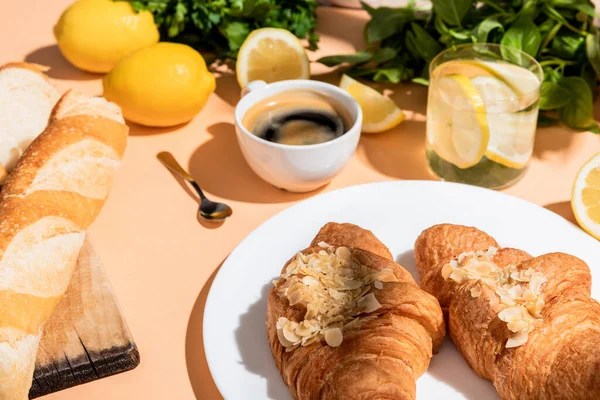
[
  {"x": 37, "y": 68},
  {"x": 560, "y": 359},
  {"x": 45, "y": 208},
  {"x": 379, "y": 359}
]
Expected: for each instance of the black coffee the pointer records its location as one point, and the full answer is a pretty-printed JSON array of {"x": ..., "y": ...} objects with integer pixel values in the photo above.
[{"x": 298, "y": 117}]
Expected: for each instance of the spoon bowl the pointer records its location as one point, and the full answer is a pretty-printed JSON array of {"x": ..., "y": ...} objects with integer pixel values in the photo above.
[{"x": 208, "y": 210}]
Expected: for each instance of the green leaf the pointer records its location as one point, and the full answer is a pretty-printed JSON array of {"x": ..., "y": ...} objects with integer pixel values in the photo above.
[
  {"x": 485, "y": 27},
  {"x": 384, "y": 54},
  {"x": 236, "y": 33},
  {"x": 578, "y": 113},
  {"x": 552, "y": 74},
  {"x": 386, "y": 22},
  {"x": 568, "y": 45},
  {"x": 523, "y": 35},
  {"x": 393, "y": 75},
  {"x": 553, "y": 96},
  {"x": 427, "y": 46},
  {"x": 352, "y": 59},
  {"x": 584, "y": 6},
  {"x": 589, "y": 76},
  {"x": 421, "y": 81},
  {"x": 452, "y": 11},
  {"x": 592, "y": 50}
]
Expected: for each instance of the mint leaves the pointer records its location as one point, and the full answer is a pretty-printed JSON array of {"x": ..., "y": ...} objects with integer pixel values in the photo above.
[{"x": 559, "y": 33}]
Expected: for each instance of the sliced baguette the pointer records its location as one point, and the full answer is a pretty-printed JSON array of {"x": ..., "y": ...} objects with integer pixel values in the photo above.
[{"x": 26, "y": 100}]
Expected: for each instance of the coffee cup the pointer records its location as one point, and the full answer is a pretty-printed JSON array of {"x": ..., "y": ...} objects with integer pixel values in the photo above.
[{"x": 297, "y": 168}]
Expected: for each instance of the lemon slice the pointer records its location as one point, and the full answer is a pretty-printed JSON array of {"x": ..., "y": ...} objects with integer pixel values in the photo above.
[
  {"x": 512, "y": 131},
  {"x": 271, "y": 55},
  {"x": 460, "y": 134},
  {"x": 379, "y": 112},
  {"x": 585, "y": 199}
]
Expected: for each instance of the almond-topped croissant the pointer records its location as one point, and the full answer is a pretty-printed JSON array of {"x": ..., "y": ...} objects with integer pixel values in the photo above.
[
  {"x": 526, "y": 324},
  {"x": 344, "y": 321}
]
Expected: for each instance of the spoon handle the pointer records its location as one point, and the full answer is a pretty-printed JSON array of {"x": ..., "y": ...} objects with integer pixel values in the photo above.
[{"x": 171, "y": 163}]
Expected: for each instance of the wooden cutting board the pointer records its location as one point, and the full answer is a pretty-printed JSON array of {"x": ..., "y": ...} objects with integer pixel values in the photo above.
[{"x": 87, "y": 337}]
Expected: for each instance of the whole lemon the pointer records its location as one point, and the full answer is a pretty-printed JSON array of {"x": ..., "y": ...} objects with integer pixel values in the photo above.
[
  {"x": 94, "y": 34},
  {"x": 164, "y": 84}
]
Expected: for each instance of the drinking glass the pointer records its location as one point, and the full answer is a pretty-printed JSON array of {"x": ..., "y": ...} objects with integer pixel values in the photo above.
[{"x": 482, "y": 114}]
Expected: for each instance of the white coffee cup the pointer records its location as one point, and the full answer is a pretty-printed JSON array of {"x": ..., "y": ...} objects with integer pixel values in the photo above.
[{"x": 297, "y": 168}]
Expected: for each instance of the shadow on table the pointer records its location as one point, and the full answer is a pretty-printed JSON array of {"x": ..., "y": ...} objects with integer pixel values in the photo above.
[
  {"x": 552, "y": 140},
  {"x": 251, "y": 337},
  {"x": 60, "y": 68},
  {"x": 220, "y": 168},
  {"x": 141, "y": 130},
  {"x": 227, "y": 88},
  {"x": 400, "y": 152},
  {"x": 200, "y": 378},
  {"x": 562, "y": 208}
]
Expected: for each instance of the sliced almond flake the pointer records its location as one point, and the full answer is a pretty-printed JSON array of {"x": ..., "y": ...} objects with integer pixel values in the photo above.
[
  {"x": 516, "y": 340},
  {"x": 378, "y": 285},
  {"x": 344, "y": 253},
  {"x": 458, "y": 275},
  {"x": 352, "y": 285},
  {"x": 284, "y": 342},
  {"x": 370, "y": 303},
  {"x": 311, "y": 311},
  {"x": 446, "y": 271},
  {"x": 511, "y": 314},
  {"x": 476, "y": 291},
  {"x": 310, "y": 281},
  {"x": 386, "y": 275},
  {"x": 517, "y": 326},
  {"x": 323, "y": 245},
  {"x": 354, "y": 322},
  {"x": 333, "y": 337}
]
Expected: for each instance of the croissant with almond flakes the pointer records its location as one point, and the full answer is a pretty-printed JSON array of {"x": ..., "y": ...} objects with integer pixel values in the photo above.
[
  {"x": 526, "y": 324},
  {"x": 344, "y": 321}
]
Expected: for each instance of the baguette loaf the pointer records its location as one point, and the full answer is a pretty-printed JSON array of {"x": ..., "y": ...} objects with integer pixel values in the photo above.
[
  {"x": 54, "y": 193},
  {"x": 26, "y": 99}
]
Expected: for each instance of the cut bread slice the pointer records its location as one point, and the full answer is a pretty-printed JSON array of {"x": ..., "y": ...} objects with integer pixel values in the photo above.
[{"x": 26, "y": 101}]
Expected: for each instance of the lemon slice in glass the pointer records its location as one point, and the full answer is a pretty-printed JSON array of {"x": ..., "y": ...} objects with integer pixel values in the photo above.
[
  {"x": 512, "y": 130},
  {"x": 585, "y": 198},
  {"x": 271, "y": 55},
  {"x": 459, "y": 134},
  {"x": 379, "y": 112}
]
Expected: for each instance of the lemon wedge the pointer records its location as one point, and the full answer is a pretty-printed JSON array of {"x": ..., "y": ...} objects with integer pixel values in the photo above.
[
  {"x": 459, "y": 135},
  {"x": 271, "y": 55},
  {"x": 379, "y": 112},
  {"x": 585, "y": 198}
]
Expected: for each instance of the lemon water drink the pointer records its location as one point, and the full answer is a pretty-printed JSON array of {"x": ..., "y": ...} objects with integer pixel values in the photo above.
[{"x": 482, "y": 115}]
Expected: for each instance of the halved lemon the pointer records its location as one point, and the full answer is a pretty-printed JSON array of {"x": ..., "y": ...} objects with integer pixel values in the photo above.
[
  {"x": 379, "y": 112},
  {"x": 585, "y": 198},
  {"x": 271, "y": 55},
  {"x": 459, "y": 135}
]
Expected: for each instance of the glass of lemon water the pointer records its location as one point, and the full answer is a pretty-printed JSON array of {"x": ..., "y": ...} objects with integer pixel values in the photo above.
[{"x": 482, "y": 114}]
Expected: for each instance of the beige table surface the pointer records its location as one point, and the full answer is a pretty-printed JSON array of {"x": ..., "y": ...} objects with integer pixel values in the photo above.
[{"x": 161, "y": 261}]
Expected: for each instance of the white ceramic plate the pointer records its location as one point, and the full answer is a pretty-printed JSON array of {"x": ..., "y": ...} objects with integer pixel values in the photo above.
[{"x": 235, "y": 337}]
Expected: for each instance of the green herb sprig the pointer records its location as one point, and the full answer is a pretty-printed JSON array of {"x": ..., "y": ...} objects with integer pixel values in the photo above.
[
  {"x": 221, "y": 26},
  {"x": 560, "y": 34}
]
